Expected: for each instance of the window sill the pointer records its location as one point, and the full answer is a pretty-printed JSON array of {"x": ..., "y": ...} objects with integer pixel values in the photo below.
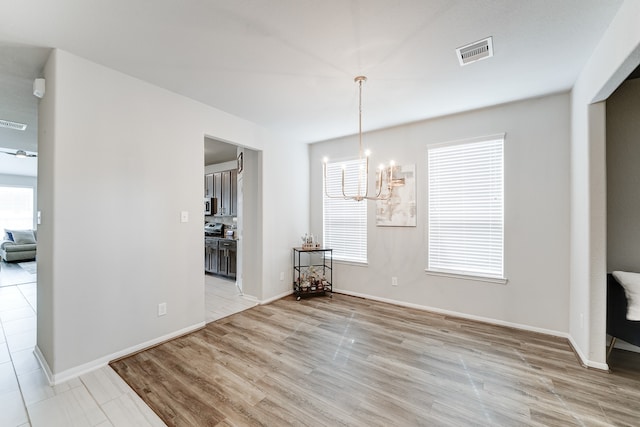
[
  {"x": 498, "y": 280},
  {"x": 354, "y": 263}
]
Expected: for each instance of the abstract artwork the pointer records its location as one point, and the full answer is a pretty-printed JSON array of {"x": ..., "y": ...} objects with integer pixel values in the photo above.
[{"x": 400, "y": 209}]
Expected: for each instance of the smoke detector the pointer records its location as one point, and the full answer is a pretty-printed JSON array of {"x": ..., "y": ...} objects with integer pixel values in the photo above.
[
  {"x": 12, "y": 125},
  {"x": 475, "y": 51}
]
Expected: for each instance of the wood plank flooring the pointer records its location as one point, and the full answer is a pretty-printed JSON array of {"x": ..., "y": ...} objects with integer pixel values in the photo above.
[{"x": 356, "y": 362}]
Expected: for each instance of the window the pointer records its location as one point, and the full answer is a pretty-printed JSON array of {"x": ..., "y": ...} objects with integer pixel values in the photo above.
[
  {"x": 16, "y": 208},
  {"x": 465, "y": 207},
  {"x": 344, "y": 221}
]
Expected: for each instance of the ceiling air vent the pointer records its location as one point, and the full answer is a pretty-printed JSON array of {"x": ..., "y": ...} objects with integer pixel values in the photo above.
[
  {"x": 475, "y": 51},
  {"x": 12, "y": 125}
]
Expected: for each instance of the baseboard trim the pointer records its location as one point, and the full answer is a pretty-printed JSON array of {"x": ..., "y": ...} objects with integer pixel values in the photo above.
[
  {"x": 457, "y": 314},
  {"x": 275, "y": 298},
  {"x": 251, "y": 298},
  {"x": 55, "y": 379},
  {"x": 43, "y": 364}
]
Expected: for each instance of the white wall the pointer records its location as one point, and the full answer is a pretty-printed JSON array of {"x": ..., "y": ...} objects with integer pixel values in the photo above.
[
  {"x": 616, "y": 55},
  {"x": 536, "y": 217},
  {"x": 119, "y": 160},
  {"x": 285, "y": 197},
  {"x": 249, "y": 228}
]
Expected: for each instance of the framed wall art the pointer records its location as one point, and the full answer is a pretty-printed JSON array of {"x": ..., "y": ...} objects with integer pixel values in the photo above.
[
  {"x": 240, "y": 162},
  {"x": 400, "y": 209}
]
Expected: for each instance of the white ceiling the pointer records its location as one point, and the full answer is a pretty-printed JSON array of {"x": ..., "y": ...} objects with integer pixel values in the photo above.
[
  {"x": 19, "y": 66},
  {"x": 10, "y": 165},
  {"x": 218, "y": 152},
  {"x": 289, "y": 65}
]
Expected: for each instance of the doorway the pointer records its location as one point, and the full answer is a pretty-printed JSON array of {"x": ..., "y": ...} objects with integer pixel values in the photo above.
[
  {"x": 622, "y": 195},
  {"x": 224, "y": 220}
]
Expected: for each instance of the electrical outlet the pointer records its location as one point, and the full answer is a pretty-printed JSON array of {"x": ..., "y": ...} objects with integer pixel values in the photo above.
[
  {"x": 184, "y": 216},
  {"x": 394, "y": 281},
  {"x": 282, "y": 275},
  {"x": 162, "y": 309}
]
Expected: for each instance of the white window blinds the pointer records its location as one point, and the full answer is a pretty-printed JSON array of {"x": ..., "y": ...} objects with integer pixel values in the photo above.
[
  {"x": 465, "y": 208},
  {"x": 344, "y": 221}
]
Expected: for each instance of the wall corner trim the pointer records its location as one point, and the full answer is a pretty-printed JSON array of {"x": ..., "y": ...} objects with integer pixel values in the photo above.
[
  {"x": 43, "y": 364},
  {"x": 586, "y": 363}
]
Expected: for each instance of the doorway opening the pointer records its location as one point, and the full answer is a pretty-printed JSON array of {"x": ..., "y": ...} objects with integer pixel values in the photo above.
[
  {"x": 623, "y": 227},
  {"x": 17, "y": 225},
  {"x": 225, "y": 218}
]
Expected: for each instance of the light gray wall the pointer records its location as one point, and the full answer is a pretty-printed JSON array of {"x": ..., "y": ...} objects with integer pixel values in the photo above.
[
  {"x": 623, "y": 178},
  {"x": 120, "y": 159},
  {"x": 536, "y": 217}
]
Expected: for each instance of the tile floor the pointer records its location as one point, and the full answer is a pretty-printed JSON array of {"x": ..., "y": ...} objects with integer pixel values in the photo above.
[
  {"x": 222, "y": 298},
  {"x": 99, "y": 398},
  {"x": 12, "y": 274}
]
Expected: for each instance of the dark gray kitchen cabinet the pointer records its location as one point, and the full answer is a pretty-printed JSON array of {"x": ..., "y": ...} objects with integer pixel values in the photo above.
[
  {"x": 223, "y": 188},
  {"x": 211, "y": 255},
  {"x": 227, "y": 251},
  {"x": 208, "y": 186},
  {"x": 220, "y": 256}
]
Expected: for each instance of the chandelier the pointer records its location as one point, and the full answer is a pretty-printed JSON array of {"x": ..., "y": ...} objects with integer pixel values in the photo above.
[{"x": 383, "y": 174}]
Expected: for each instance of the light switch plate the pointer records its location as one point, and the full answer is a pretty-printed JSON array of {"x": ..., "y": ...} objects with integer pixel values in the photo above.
[{"x": 184, "y": 216}]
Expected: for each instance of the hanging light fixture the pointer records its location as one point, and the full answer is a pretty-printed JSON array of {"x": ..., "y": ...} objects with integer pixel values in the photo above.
[{"x": 383, "y": 173}]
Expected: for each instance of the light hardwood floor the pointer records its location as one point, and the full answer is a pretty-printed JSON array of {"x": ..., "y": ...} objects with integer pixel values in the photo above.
[
  {"x": 350, "y": 361},
  {"x": 99, "y": 398}
]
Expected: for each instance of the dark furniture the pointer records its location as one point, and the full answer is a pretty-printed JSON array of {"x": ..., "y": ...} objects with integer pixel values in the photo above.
[
  {"x": 312, "y": 272},
  {"x": 220, "y": 256},
  {"x": 617, "y": 324}
]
